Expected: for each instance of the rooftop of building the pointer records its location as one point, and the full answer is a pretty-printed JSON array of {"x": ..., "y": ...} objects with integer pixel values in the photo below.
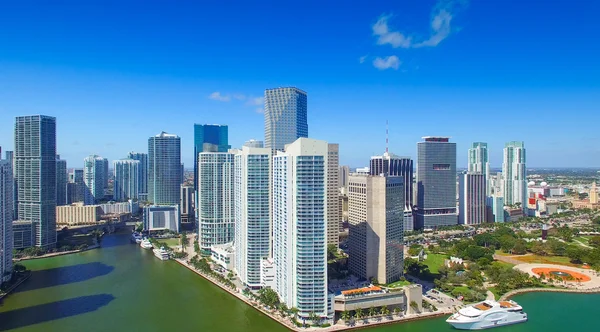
[
  {"x": 164, "y": 134},
  {"x": 287, "y": 87},
  {"x": 442, "y": 139}
]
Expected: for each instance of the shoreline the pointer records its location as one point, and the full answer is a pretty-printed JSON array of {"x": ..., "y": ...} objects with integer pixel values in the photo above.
[
  {"x": 54, "y": 254},
  {"x": 547, "y": 290},
  {"x": 335, "y": 327},
  {"x": 13, "y": 287}
]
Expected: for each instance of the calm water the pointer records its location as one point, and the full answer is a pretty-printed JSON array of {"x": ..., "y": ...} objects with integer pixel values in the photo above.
[{"x": 123, "y": 287}]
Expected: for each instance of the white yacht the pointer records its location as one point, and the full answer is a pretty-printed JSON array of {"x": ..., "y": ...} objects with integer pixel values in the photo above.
[
  {"x": 488, "y": 314},
  {"x": 136, "y": 237},
  {"x": 161, "y": 254},
  {"x": 146, "y": 244}
]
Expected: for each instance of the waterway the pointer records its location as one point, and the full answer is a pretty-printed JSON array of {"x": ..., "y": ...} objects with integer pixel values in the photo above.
[{"x": 123, "y": 287}]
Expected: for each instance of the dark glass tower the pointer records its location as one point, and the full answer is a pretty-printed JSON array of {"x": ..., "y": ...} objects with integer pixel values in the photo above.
[
  {"x": 164, "y": 169},
  {"x": 209, "y": 138},
  {"x": 392, "y": 165},
  {"x": 436, "y": 183},
  {"x": 35, "y": 171}
]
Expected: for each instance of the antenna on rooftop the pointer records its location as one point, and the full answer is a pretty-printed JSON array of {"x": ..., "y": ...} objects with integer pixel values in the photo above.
[{"x": 387, "y": 137}]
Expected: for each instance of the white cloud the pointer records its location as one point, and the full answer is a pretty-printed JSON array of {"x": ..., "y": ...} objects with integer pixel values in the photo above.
[
  {"x": 440, "y": 29},
  {"x": 363, "y": 58},
  {"x": 385, "y": 36},
  {"x": 256, "y": 101},
  {"x": 239, "y": 96},
  {"x": 219, "y": 97},
  {"x": 387, "y": 62},
  {"x": 260, "y": 110}
]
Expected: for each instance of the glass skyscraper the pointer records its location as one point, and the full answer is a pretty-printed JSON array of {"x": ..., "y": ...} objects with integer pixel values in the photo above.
[
  {"x": 143, "y": 174},
  {"x": 126, "y": 182},
  {"x": 62, "y": 178},
  {"x": 390, "y": 164},
  {"x": 479, "y": 162},
  {"x": 252, "y": 207},
  {"x": 300, "y": 226},
  {"x": 285, "y": 117},
  {"x": 6, "y": 219},
  {"x": 93, "y": 177},
  {"x": 215, "y": 203},
  {"x": 209, "y": 138},
  {"x": 164, "y": 169},
  {"x": 514, "y": 173},
  {"x": 436, "y": 183},
  {"x": 35, "y": 171}
]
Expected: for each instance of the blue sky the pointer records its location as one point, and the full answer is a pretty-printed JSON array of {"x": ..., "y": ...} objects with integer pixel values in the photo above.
[{"x": 116, "y": 72}]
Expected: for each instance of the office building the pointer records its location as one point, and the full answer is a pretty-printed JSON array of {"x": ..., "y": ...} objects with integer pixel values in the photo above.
[
  {"x": 285, "y": 117},
  {"x": 334, "y": 218},
  {"x": 6, "y": 219},
  {"x": 479, "y": 162},
  {"x": 11, "y": 160},
  {"x": 106, "y": 173},
  {"x": 143, "y": 173},
  {"x": 472, "y": 198},
  {"x": 209, "y": 138},
  {"x": 254, "y": 144},
  {"x": 215, "y": 204},
  {"x": 93, "y": 177},
  {"x": 75, "y": 187},
  {"x": 514, "y": 174},
  {"x": 62, "y": 179},
  {"x": 160, "y": 218},
  {"x": 130, "y": 206},
  {"x": 300, "y": 226},
  {"x": 35, "y": 171},
  {"x": 164, "y": 169},
  {"x": 78, "y": 215},
  {"x": 187, "y": 204},
  {"x": 495, "y": 209},
  {"x": 436, "y": 183},
  {"x": 126, "y": 179},
  {"x": 252, "y": 206},
  {"x": 376, "y": 237},
  {"x": 393, "y": 165},
  {"x": 344, "y": 174}
]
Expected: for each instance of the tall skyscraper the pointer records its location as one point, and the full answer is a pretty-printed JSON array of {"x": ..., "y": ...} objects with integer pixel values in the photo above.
[
  {"x": 300, "y": 226},
  {"x": 143, "y": 176},
  {"x": 436, "y": 183},
  {"x": 334, "y": 218},
  {"x": 126, "y": 179},
  {"x": 209, "y": 138},
  {"x": 164, "y": 169},
  {"x": 35, "y": 170},
  {"x": 6, "y": 219},
  {"x": 93, "y": 177},
  {"x": 76, "y": 186},
  {"x": 479, "y": 162},
  {"x": 285, "y": 117},
  {"x": 215, "y": 203},
  {"x": 514, "y": 174},
  {"x": 106, "y": 173},
  {"x": 187, "y": 204},
  {"x": 252, "y": 207},
  {"x": 10, "y": 157},
  {"x": 62, "y": 178},
  {"x": 376, "y": 237},
  {"x": 344, "y": 174},
  {"x": 393, "y": 165},
  {"x": 472, "y": 198}
]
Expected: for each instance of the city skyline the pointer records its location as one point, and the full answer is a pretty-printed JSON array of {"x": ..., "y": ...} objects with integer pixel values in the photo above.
[{"x": 478, "y": 64}]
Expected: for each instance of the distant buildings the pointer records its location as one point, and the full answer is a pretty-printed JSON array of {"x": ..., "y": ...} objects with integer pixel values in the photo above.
[
  {"x": 375, "y": 213},
  {"x": 62, "y": 179},
  {"x": 143, "y": 172},
  {"x": 187, "y": 204},
  {"x": 161, "y": 218},
  {"x": 254, "y": 144},
  {"x": 6, "y": 219},
  {"x": 164, "y": 169},
  {"x": 472, "y": 204},
  {"x": 215, "y": 204},
  {"x": 75, "y": 187},
  {"x": 252, "y": 206},
  {"x": 93, "y": 177},
  {"x": 436, "y": 183},
  {"x": 300, "y": 225},
  {"x": 10, "y": 157},
  {"x": 106, "y": 173},
  {"x": 344, "y": 174},
  {"x": 285, "y": 117},
  {"x": 479, "y": 162},
  {"x": 126, "y": 179},
  {"x": 23, "y": 234},
  {"x": 35, "y": 171},
  {"x": 334, "y": 217},
  {"x": 130, "y": 206},
  {"x": 209, "y": 138},
  {"x": 514, "y": 174},
  {"x": 78, "y": 215}
]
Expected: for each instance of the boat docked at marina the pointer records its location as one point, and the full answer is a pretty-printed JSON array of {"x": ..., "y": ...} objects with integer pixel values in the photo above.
[
  {"x": 488, "y": 314},
  {"x": 146, "y": 244},
  {"x": 162, "y": 254}
]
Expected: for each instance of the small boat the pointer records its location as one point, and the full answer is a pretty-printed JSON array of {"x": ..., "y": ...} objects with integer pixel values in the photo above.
[
  {"x": 162, "y": 254},
  {"x": 488, "y": 314},
  {"x": 136, "y": 237},
  {"x": 146, "y": 244}
]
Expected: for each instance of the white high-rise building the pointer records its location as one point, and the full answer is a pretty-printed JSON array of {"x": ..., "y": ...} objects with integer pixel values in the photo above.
[
  {"x": 334, "y": 217},
  {"x": 285, "y": 117},
  {"x": 479, "y": 162},
  {"x": 514, "y": 174},
  {"x": 300, "y": 226},
  {"x": 215, "y": 202},
  {"x": 472, "y": 198},
  {"x": 127, "y": 179},
  {"x": 6, "y": 219},
  {"x": 252, "y": 208},
  {"x": 93, "y": 177}
]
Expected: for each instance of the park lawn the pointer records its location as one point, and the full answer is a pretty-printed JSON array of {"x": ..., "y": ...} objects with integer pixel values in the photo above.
[
  {"x": 172, "y": 242},
  {"x": 499, "y": 252},
  {"x": 535, "y": 259},
  {"x": 434, "y": 261},
  {"x": 398, "y": 283},
  {"x": 505, "y": 264},
  {"x": 583, "y": 239}
]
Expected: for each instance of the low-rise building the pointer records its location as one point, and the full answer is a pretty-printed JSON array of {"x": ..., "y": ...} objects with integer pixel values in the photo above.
[
  {"x": 223, "y": 255},
  {"x": 267, "y": 273},
  {"x": 78, "y": 214},
  {"x": 160, "y": 218},
  {"x": 130, "y": 206},
  {"x": 23, "y": 234},
  {"x": 377, "y": 297}
]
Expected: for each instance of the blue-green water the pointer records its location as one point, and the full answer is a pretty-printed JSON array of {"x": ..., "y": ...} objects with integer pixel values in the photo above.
[{"x": 123, "y": 287}]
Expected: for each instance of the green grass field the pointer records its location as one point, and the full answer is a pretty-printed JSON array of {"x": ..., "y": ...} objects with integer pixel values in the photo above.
[
  {"x": 559, "y": 260},
  {"x": 170, "y": 242},
  {"x": 434, "y": 261},
  {"x": 399, "y": 283},
  {"x": 583, "y": 239}
]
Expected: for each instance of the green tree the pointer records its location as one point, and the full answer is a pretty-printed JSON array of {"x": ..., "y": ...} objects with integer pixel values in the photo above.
[
  {"x": 397, "y": 311},
  {"x": 372, "y": 312},
  {"x": 345, "y": 315},
  {"x": 332, "y": 252},
  {"x": 385, "y": 311},
  {"x": 359, "y": 313},
  {"x": 314, "y": 318},
  {"x": 294, "y": 312},
  {"x": 414, "y": 306},
  {"x": 520, "y": 247},
  {"x": 594, "y": 241},
  {"x": 414, "y": 249}
]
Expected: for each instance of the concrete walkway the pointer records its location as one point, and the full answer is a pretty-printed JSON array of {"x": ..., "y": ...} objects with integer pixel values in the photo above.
[{"x": 594, "y": 283}]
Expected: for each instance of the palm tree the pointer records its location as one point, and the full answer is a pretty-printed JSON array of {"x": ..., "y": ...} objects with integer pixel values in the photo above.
[
  {"x": 414, "y": 306},
  {"x": 397, "y": 311},
  {"x": 314, "y": 318},
  {"x": 359, "y": 313},
  {"x": 294, "y": 312},
  {"x": 372, "y": 312},
  {"x": 345, "y": 316},
  {"x": 385, "y": 311}
]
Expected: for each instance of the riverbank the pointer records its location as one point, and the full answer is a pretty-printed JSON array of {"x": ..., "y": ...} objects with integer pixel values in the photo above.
[
  {"x": 17, "y": 284},
  {"x": 549, "y": 290},
  {"x": 54, "y": 254},
  {"x": 356, "y": 324}
]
